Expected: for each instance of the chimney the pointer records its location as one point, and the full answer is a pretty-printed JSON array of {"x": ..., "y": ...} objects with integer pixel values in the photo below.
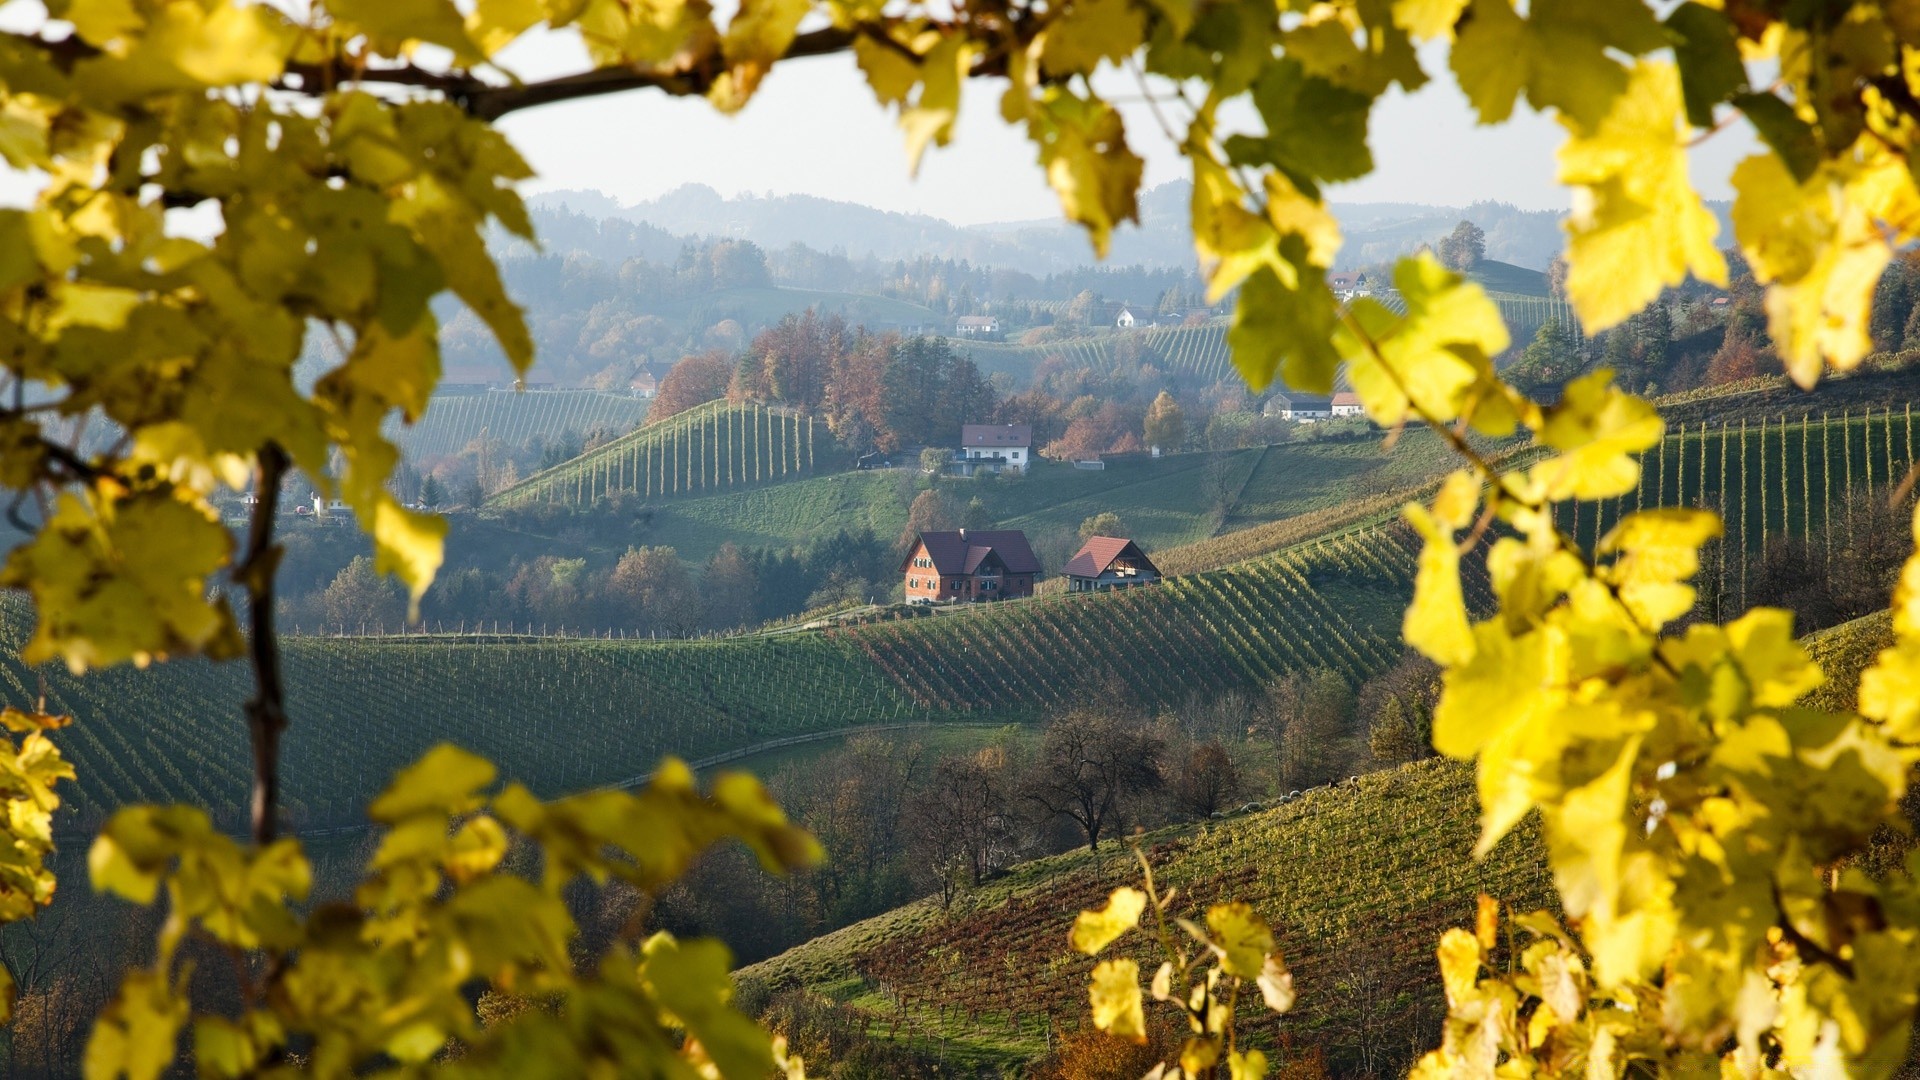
[{"x": 963, "y": 536}]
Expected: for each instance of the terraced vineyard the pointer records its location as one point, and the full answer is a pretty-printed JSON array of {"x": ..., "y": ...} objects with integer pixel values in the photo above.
[
  {"x": 454, "y": 420},
  {"x": 564, "y": 715},
  {"x": 1768, "y": 478},
  {"x": 714, "y": 447},
  {"x": 1359, "y": 881}
]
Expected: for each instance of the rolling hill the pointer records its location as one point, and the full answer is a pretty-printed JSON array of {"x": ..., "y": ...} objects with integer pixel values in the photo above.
[
  {"x": 715, "y": 446},
  {"x": 1359, "y": 880},
  {"x": 454, "y": 420}
]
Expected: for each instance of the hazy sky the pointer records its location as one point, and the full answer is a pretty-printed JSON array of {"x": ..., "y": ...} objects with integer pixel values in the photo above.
[{"x": 814, "y": 129}]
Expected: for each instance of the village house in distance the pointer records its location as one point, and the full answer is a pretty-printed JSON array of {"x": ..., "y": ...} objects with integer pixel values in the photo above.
[
  {"x": 970, "y": 564},
  {"x": 990, "y": 448},
  {"x": 1109, "y": 562}
]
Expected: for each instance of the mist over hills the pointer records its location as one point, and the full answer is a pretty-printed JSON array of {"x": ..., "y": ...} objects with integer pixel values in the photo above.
[{"x": 593, "y": 223}]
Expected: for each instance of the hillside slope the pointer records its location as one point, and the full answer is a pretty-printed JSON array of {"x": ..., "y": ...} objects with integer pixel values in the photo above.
[
  {"x": 1359, "y": 880},
  {"x": 715, "y": 446},
  {"x": 454, "y": 420},
  {"x": 563, "y": 715}
]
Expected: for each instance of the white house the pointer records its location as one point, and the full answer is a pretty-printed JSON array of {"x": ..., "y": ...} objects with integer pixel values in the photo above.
[
  {"x": 644, "y": 385},
  {"x": 335, "y": 511},
  {"x": 1124, "y": 320},
  {"x": 994, "y": 448},
  {"x": 1303, "y": 407},
  {"x": 975, "y": 325},
  {"x": 1347, "y": 403}
]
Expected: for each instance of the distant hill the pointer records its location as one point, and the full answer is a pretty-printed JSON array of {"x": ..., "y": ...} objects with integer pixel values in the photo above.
[
  {"x": 1374, "y": 232},
  {"x": 1502, "y": 277}
]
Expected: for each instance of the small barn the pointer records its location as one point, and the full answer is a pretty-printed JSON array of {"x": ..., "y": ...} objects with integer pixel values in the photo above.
[
  {"x": 1109, "y": 562},
  {"x": 1302, "y": 407}
]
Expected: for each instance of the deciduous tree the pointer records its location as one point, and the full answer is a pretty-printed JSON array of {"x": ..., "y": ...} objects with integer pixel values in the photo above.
[
  {"x": 1091, "y": 767},
  {"x": 1166, "y": 424}
]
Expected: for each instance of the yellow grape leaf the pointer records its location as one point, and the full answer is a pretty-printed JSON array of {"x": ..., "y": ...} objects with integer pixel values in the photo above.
[
  {"x": 1435, "y": 360},
  {"x": 1089, "y": 31},
  {"x": 692, "y": 980},
  {"x": 99, "y": 22},
  {"x": 1436, "y": 621},
  {"x": 492, "y": 25},
  {"x": 928, "y": 120},
  {"x": 1199, "y": 1054},
  {"x": 759, "y": 34},
  {"x": 1115, "y": 994},
  {"x": 117, "y": 578},
  {"x": 1231, "y": 240},
  {"x": 1638, "y": 224},
  {"x": 1598, "y": 430},
  {"x": 1095, "y": 930},
  {"x": 444, "y": 782},
  {"x": 1890, "y": 690},
  {"x": 1285, "y": 329},
  {"x": 395, "y": 24},
  {"x": 889, "y": 70},
  {"x": 1083, "y": 146},
  {"x": 1658, "y": 551},
  {"x": 1240, "y": 937},
  {"x": 1779, "y": 672},
  {"x": 1558, "y": 54},
  {"x": 1276, "y": 984},
  {"x": 135, "y": 1036},
  {"x": 1459, "y": 965},
  {"x": 1428, "y": 19},
  {"x": 1821, "y": 254},
  {"x": 1251, "y": 1065}
]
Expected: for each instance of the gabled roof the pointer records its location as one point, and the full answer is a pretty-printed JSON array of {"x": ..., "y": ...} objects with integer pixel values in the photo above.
[
  {"x": 1345, "y": 397},
  {"x": 977, "y": 320},
  {"x": 1099, "y": 553},
  {"x": 1291, "y": 400},
  {"x": 962, "y": 551},
  {"x": 1020, "y": 435}
]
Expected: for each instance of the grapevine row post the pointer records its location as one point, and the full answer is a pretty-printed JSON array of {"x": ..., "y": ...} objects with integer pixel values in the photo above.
[{"x": 1763, "y": 489}]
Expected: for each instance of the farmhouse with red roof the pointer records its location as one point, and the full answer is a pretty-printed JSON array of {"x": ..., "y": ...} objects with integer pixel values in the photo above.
[
  {"x": 970, "y": 564},
  {"x": 1109, "y": 562}
]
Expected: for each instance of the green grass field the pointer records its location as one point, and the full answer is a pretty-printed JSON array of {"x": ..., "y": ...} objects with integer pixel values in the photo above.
[{"x": 454, "y": 420}]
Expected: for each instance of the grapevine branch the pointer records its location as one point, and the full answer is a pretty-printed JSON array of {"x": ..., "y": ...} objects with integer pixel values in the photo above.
[{"x": 266, "y": 710}]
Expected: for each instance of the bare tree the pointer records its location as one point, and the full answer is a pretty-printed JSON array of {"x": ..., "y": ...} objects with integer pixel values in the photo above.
[
  {"x": 1205, "y": 781},
  {"x": 958, "y": 830},
  {"x": 1092, "y": 766}
]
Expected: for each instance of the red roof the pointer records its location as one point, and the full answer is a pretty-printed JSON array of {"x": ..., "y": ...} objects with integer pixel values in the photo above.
[
  {"x": 1099, "y": 553},
  {"x": 1345, "y": 397},
  {"x": 1020, "y": 435},
  {"x": 963, "y": 551}
]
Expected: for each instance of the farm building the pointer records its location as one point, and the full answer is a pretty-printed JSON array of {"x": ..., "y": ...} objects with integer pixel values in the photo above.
[
  {"x": 994, "y": 447},
  {"x": 1347, "y": 403},
  {"x": 1292, "y": 406},
  {"x": 1109, "y": 562},
  {"x": 970, "y": 564},
  {"x": 976, "y": 325}
]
